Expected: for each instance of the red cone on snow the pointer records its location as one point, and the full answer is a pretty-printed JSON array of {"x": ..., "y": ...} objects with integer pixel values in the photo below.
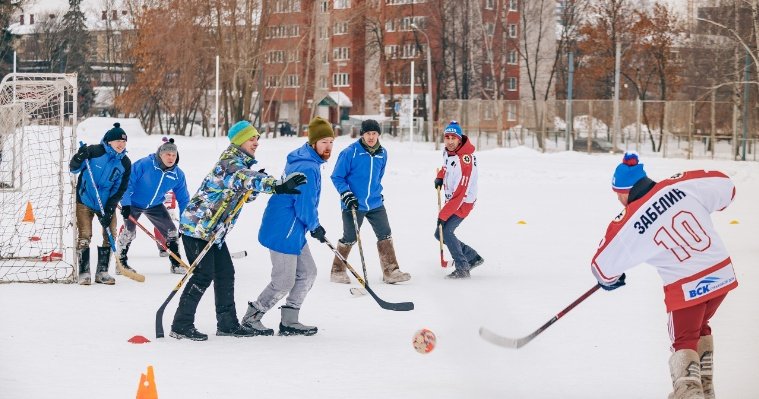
[{"x": 138, "y": 339}]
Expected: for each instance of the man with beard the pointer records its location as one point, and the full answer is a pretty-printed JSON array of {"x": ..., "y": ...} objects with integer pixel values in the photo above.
[{"x": 286, "y": 220}]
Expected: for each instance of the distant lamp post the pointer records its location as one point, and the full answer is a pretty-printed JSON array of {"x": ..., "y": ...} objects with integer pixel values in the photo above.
[
  {"x": 428, "y": 99},
  {"x": 337, "y": 86}
]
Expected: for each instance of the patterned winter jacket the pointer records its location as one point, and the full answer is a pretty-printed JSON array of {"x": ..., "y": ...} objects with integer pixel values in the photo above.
[
  {"x": 110, "y": 171},
  {"x": 220, "y": 192},
  {"x": 149, "y": 183}
]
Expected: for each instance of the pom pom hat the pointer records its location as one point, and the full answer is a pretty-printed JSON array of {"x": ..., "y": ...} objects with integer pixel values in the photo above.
[
  {"x": 167, "y": 146},
  {"x": 117, "y": 133},
  {"x": 627, "y": 173},
  {"x": 453, "y": 128},
  {"x": 241, "y": 132}
]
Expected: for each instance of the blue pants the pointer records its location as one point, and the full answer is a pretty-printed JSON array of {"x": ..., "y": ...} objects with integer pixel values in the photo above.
[
  {"x": 461, "y": 253},
  {"x": 377, "y": 217}
]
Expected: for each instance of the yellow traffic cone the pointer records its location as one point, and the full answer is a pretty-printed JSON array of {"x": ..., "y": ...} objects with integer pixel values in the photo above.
[
  {"x": 734, "y": 221},
  {"x": 147, "y": 388},
  {"x": 29, "y": 214}
]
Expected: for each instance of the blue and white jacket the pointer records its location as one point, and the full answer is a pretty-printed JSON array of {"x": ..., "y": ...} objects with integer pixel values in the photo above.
[
  {"x": 110, "y": 171},
  {"x": 148, "y": 184},
  {"x": 359, "y": 171},
  {"x": 288, "y": 217}
]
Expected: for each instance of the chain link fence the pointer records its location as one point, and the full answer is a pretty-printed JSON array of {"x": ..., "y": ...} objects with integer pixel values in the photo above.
[{"x": 669, "y": 129}]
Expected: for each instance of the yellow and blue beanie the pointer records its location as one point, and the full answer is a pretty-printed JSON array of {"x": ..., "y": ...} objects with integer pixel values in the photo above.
[
  {"x": 241, "y": 132},
  {"x": 627, "y": 173}
]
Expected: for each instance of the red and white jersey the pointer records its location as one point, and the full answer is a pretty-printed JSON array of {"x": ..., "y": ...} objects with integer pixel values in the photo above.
[
  {"x": 459, "y": 176},
  {"x": 671, "y": 229}
]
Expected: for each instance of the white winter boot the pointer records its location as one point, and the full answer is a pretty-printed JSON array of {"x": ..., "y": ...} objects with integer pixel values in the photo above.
[
  {"x": 685, "y": 369},
  {"x": 706, "y": 355}
]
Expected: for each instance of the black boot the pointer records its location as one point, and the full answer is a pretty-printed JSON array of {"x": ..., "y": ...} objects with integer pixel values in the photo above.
[
  {"x": 176, "y": 267},
  {"x": 458, "y": 274},
  {"x": 189, "y": 333},
  {"x": 183, "y": 325},
  {"x": 124, "y": 260},
  {"x": 84, "y": 266},
  {"x": 227, "y": 326},
  {"x": 104, "y": 258},
  {"x": 290, "y": 324},
  {"x": 476, "y": 262}
]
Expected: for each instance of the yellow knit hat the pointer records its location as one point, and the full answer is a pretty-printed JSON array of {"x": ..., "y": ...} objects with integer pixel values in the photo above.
[{"x": 319, "y": 129}]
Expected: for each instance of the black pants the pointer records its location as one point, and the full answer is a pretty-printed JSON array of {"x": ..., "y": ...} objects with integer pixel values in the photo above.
[
  {"x": 377, "y": 218},
  {"x": 215, "y": 266}
]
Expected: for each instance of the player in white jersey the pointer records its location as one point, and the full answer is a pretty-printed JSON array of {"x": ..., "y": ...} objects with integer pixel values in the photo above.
[{"x": 668, "y": 225}]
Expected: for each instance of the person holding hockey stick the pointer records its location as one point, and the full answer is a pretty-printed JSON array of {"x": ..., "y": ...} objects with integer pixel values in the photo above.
[
  {"x": 358, "y": 178},
  {"x": 110, "y": 168},
  {"x": 458, "y": 178},
  {"x": 152, "y": 177},
  {"x": 668, "y": 225},
  {"x": 286, "y": 221},
  {"x": 202, "y": 221}
]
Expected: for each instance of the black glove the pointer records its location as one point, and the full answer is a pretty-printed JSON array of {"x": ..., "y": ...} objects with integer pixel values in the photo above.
[
  {"x": 438, "y": 182},
  {"x": 288, "y": 184},
  {"x": 616, "y": 284},
  {"x": 319, "y": 233},
  {"x": 105, "y": 219},
  {"x": 262, "y": 170},
  {"x": 350, "y": 200},
  {"x": 126, "y": 210},
  {"x": 82, "y": 154}
]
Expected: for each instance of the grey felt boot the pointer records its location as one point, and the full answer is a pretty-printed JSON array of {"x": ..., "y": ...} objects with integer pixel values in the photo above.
[
  {"x": 290, "y": 324},
  {"x": 252, "y": 321}
]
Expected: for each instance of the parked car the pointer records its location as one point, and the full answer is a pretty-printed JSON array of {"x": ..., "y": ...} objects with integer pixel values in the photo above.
[
  {"x": 596, "y": 145},
  {"x": 285, "y": 128}
]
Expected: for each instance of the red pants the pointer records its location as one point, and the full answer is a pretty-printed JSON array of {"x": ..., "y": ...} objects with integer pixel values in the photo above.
[{"x": 687, "y": 325}]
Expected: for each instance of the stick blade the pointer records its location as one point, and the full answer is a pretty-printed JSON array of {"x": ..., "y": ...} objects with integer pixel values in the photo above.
[
  {"x": 506, "y": 342},
  {"x": 358, "y": 291}
]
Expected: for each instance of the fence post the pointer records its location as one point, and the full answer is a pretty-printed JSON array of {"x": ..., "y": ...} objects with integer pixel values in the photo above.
[
  {"x": 664, "y": 131},
  {"x": 638, "y": 116},
  {"x": 713, "y": 142},
  {"x": 734, "y": 150},
  {"x": 691, "y": 118}
]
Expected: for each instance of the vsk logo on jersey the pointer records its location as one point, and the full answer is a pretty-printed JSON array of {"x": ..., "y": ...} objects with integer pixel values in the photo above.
[
  {"x": 467, "y": 159},
  {"x": 706, "y": 285}
]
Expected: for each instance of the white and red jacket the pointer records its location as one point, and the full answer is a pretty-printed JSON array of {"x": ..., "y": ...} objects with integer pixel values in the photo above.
[
  {"x": 671, "y": 229},
  {"x": 459, "y": 174}
]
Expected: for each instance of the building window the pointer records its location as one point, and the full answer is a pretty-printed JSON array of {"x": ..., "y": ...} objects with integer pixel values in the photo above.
[
  {"x": 512, "y": 30},
  {"x": 323, "y": 32},
  {"x": 340, "y": 28},
  {"x": 341, "y": 53},
  {"x": 325, "y": 57},
  {"x": 31, "y": 19},
  {"x": 293, "y": 55},
  {"x": 340, "y": 80},
  {"x": 322, "y": 82},
  {"x": 272, "y": 81},
  {"x": 487, "y": 113},
  {"x": 390, "y": 25},
  {"x": 512, "y": 60},
  {"x": 512, "y": 5},
  {"x": 511, "y": 112},
  {"x": 21, "y": 19},
  {"x": 512, "y": 84},
  {"x": 323, "y": 6},
  {"x": 342, "y": 4},
  {"x": 391, "y": 51},
  {"x": 104, "y": 15},
  {"x": 291, "y": 81},
  {"x": 401, "y": 2},
  {"x": 489, "y": 4},
  {"x": 285, "y": 6},
  {"x": 275, "y": 57},
  {"x": 404, "y": 24},
  {"x": 409, "y": 50},
  {"x": 489, "y": 84},
  {"x": 489, "y": 28}
]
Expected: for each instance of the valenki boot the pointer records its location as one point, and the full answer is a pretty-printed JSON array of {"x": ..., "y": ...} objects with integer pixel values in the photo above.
[
  {"x": 391, "y": 273},
  {"x": 338, "y": 273},
  {"x": 706, "y": 355},
  {"x": 290, "y": 324},
  {"x": 685, "y": 369}
]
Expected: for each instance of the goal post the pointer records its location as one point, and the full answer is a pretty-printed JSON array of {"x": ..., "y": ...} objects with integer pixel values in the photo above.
[{"x": 37, "y": 196}]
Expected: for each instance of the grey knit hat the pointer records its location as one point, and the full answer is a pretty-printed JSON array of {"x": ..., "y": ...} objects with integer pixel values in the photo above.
[{"x": 167, "y": 146}]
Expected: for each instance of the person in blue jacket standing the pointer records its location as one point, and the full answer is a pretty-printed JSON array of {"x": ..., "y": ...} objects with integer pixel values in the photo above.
[
  {"x": 152, "y": 177},
  {"x": 110, "y": 167},
  {"x": 286, "y": 221},
  {"x": 358, "y": 178}
]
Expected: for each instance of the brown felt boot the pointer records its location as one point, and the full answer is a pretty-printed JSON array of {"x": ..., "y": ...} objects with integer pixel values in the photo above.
[
  {"x": 338, "y": 274},
  {"x": 685, "y": 369},
  {"x": 391, "y": 273},
  {"x": 706, "y": 355}
]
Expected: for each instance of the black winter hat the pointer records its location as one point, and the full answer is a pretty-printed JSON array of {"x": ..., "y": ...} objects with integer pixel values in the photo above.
[
  {"x": 370, "y": 125},
  {"x": 117, "y": 133}
]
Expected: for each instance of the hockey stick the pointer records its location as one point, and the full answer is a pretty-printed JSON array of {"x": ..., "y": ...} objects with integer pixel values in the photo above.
[
  {"x": 358, "y": 291},
  {"x": 443, "y": 262},
  {"x": 516, "y": 343},
  {"x": 400, "y": 306},
  {"x": 201, "y": 255},
  {"x": 159, "y": 242},
  {"x": 124, "y": 271}
]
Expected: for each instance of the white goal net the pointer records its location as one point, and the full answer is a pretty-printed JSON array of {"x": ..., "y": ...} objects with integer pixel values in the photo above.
[{"x": 37, "y": 198}]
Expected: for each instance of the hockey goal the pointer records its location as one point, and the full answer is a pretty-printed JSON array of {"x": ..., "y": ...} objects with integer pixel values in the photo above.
[{"x": 37, "y": 197}]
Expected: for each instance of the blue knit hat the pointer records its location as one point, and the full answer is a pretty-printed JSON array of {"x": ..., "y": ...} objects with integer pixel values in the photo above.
[
  {"x": 627, "y": 173},
  {"x": 453, "y": 128},
  {"x": 241, "y": 132}
]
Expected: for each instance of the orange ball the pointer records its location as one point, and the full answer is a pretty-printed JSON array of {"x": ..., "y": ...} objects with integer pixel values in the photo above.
[{"x": 424, "y": 341}]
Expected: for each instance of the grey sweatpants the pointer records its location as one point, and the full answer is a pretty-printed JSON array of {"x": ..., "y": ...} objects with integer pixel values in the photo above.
[{"x": 290, "y": 274}]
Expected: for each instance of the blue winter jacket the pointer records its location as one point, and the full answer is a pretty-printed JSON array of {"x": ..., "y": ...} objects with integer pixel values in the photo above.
[
  {"x": 360, "y": 172},
  {"x": 110, "y": 171},
  {"x": 288, "y": 218},
  {"x": 148, "y": 184}
]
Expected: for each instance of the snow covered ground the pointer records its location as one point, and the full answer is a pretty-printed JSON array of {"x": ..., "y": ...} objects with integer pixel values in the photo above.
[{"x": 65, "y": 341}]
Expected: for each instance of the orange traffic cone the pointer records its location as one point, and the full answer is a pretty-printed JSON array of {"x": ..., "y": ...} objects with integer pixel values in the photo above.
[
  {"x": 147, "y": 388},
  {"x": 29, "y": 214}
]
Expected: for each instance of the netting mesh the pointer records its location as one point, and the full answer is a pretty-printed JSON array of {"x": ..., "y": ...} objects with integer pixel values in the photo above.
[{"x": 37, "y": 120}]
